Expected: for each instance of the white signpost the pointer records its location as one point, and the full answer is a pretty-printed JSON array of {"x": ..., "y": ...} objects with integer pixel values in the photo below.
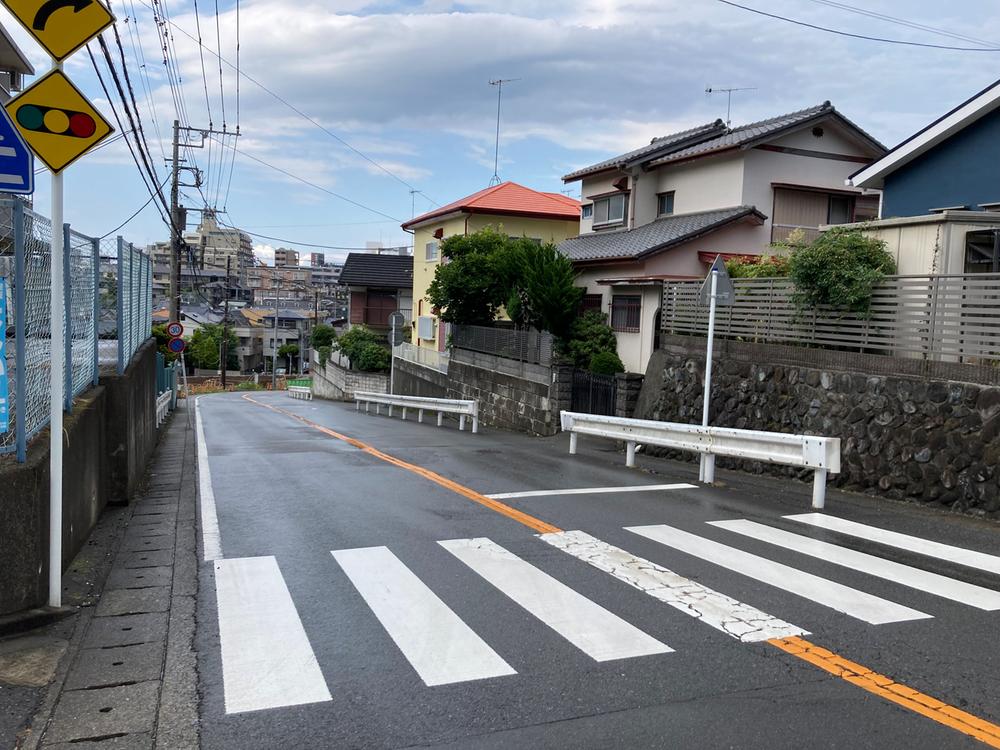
[{"x": 716, "y": 290}]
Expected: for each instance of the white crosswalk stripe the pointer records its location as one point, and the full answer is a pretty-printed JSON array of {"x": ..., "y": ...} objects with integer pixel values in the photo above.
[
  {"x": 437, "y": 643},
  {"x": 969, "y": 558},
  {"x": 932, "y": 583},
  {"x": 261, "y": 635},
  {"x": 858, "y": 604},
  {"x": 584, "y": 623},
  {"x": 739, "y": 620}
]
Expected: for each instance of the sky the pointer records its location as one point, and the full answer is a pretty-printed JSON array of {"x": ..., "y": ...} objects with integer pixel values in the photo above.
[{"x": 355, "y": 104}]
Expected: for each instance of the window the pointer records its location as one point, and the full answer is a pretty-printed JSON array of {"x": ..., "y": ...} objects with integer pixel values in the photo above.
[
  {"x": 625, "y": 312},
  {"x": 431, "y": 251},
  {"x": 591, "y": 302},
  {"x": 610, "y": 210},
  {"x": 807, "y": 210},
  {"x": 841, "y": 209},
  {"x": 587, "y": 211},
  {"x": 982, "y": 251},
  {"x": 665, "y": 204}
]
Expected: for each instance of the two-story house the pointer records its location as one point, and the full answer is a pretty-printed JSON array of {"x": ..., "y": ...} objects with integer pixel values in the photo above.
[
  {"x": 514, "y": 209},
  {"x": 664, "y": 211},
  {"x": 378, "y": 285}
]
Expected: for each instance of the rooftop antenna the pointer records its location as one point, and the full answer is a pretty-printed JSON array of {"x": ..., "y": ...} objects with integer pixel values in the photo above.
[
  {"x": 729, "y": 98},
  {"x": 499, "y": 82},
  {"x": 413, "y": 205}
]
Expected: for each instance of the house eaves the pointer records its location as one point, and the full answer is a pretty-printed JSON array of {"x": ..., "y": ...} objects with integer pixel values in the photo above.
[{"x": 966, "y": 113}]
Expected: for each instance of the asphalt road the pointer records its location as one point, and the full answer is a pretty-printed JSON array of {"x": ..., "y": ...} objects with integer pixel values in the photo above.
[{"x": 512, "y": 640}]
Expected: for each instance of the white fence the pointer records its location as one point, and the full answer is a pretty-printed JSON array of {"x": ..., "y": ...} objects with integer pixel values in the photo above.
[
  {"x": 807, "y": 451},
  {"x": 440, "y": 405},
  {"x": 945, "y": 318},
  {"x": 420, "y": 355},
  {"x": 163, "y": 407},
  {"x": 302, "y": 392}
]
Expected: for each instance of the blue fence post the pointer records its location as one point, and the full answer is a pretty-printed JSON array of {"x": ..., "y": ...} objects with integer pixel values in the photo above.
[
  {"x": 121, "y": 309},
  {"x": 68, "y": 338},
  {"x": 20, "y": 376},
  {"x": 95, "y": 244}
]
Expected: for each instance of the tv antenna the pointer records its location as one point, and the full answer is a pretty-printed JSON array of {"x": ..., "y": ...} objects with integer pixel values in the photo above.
[
  {"x": 499, "y": 82},
  {"x": 729, "y": 98}
]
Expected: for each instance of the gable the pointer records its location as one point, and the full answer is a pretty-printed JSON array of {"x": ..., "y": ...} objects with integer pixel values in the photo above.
[{"x": 828, "y": 137}]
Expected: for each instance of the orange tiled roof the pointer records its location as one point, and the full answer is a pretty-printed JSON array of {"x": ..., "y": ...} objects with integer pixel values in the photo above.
[{"x": 509, "y": 199}]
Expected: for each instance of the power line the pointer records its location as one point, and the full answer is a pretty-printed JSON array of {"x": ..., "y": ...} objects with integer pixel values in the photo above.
[
  {"x": 852, "y": 35},
  {"x": 298, "y": 111},
  {"x": 141, "y": 208},
  {"x": 140, "y": 61}
]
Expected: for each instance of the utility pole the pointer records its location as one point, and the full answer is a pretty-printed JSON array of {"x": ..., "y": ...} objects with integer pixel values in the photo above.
[
  {"x": 274, "y": 349},
  {"x": 175, "y": 230},
  {"x": 224, "y": 359}
]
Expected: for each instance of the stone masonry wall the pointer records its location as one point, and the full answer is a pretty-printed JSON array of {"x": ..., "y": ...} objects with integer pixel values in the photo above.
[
  {"x": 336, "y": 383},
  {"x": 902, "y": 437}
]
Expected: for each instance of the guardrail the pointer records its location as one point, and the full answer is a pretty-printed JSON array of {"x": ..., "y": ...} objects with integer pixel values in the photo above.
[
  {"x": 808, "y": 451},
  {"x": 441, "y": 405},
  {"x": 163, "y": 407},
  {"x": 302, "y": 392}
]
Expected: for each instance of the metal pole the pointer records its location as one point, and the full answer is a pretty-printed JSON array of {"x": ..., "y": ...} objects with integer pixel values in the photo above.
[
  {"x": 819, "y": 489},
  {"x": 20, "y": 341},
  {"x": 175, "y": 232},
  {"x": 707, "y": 472},
  {"x": 68, "y": 278},
  {"x": 96, "y": 249},
  {"x": 120, "y": 297},
  {"x": 274, "y": 349},
  {"x": 56, "y": 353},
  {"x": 392, "y": 353},
  {"x": 224, "y": 357}
]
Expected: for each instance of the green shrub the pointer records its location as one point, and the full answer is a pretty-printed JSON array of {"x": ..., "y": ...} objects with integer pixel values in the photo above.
[
  {"x": 839, "y": 269},
  {"x": 606, "y": 363},
  {"x": 356, "y": 340},
  {"x": 322, "y": 335},
  {"x": 765, "y": 266},
  {"x": 588, "y": 335},
  {"x": 249, "y": 385},
  {"x": 324, "y": 353},
  {"x": 373, "y": 358}
]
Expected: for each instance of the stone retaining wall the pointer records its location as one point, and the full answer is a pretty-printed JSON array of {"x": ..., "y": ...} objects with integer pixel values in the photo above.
[
  {"x": 336, "y": 383},
  {"x": 902, "y": 437}
]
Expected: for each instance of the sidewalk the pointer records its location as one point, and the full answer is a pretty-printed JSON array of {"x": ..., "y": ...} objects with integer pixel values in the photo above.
[{"x": 129, "y": 677}]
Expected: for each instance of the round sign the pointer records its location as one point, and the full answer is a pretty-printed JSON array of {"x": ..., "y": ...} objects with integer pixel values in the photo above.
[
  {"x": 176, "y": 345},
  {"x": 175, "y": 329},
  {"x": 396, "y": 320},
  {"x": 395, "y": 338}
]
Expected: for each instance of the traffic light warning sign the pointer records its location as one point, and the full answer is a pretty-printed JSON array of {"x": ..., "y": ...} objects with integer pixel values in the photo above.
[{"x": 57, "y": 121}]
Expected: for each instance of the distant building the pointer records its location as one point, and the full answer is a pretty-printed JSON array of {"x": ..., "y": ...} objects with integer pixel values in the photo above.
[
  {"x": 14, "y": 65},
  {"x": 377, "y": 248},
  {"x": 317, "y": 259},
  {"x": 214, "y": 244},
  {"x": 285, "y": 257},
  {"x": 379, "y": 286},
  {"x": 292, "y": 282}
]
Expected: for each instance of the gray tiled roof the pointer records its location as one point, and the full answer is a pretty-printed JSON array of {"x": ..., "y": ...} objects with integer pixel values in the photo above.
[
  {"x": 654, "y": 148},
  {"x": 657, "y": 235},
  {"x": 386, "y": 271}
]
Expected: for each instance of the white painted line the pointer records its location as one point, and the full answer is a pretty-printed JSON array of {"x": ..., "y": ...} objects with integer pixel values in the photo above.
[
  {"x": 739, "y": 620},
  {"x": 587, "y": 625},
  {"x": 593, "y": 490},
  {"x": 267, "y": 661},
  {"x": 211, "y": 539},
  {"x": 969, "y": 558},
  {"x": 844, "y": 599},
  {"x": 437, "y": 643},
  {"x": 905, "y": 575}
]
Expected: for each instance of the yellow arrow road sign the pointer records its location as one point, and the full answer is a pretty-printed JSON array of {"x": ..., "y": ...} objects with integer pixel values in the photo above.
[
  {"x": 57, "y": 121},
  {"x": 61, "y": 26}
]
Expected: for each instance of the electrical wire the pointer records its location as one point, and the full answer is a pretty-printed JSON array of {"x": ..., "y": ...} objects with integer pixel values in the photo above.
[
  {"x": 138, "y": 211},
  {"x": 140, "y": 62},
  {"x": 852, "y": 35}
]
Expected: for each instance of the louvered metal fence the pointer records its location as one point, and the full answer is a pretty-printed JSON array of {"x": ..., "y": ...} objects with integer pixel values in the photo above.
[{"x": 952, "y": 318}]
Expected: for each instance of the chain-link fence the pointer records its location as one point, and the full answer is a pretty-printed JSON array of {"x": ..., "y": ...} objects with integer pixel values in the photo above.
[{"x": 91, "y": 283}]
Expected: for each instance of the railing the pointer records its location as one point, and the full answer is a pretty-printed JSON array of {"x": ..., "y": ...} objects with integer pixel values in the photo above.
[
  {"x": 303, "y": 392},
  {"x": 441, "y": 405},
  {"x": 96, "y": 287},
  {"x": 163, "y": 407},
  {"x": 807, "y": 451},
  {"x": 523, "y": 345},
  {"x": 421, "y": 355},
  {"x": 946, "y": 318}
]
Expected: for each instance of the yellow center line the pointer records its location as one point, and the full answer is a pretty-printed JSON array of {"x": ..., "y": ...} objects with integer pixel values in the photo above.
[
  {"x": 886, "y": 687},
  {"x": 856, "y": 674},
  {"x": 531, "y": 522}
]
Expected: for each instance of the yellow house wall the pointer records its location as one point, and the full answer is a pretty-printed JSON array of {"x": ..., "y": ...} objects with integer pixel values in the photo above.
[{"x": 547, "y": 230}]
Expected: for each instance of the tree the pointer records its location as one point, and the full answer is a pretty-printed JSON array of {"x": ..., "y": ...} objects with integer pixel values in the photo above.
[
  {"x": 289, "y": 350},
  {"x": 322, "y": 335},
  {"x": 606, "y": 363},
  {"x": 373, "y": 358},
  {"x": 590, "y": 334},
  {"x": 162, "y": 337},
  {"x": 478, "y": 278},
  {"x": 353, "y": 342},
  {"x": 550, "y": 297},
  {"x": 205, "y": 344}
]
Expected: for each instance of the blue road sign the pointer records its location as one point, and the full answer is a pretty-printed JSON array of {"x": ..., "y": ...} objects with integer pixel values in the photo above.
[
  {"x": 17, "y": 163},
  {"x": 4, "y": 389}
]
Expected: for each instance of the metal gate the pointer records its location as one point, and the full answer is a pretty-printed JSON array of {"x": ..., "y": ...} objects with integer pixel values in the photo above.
[{"x": 593, "y": 394}]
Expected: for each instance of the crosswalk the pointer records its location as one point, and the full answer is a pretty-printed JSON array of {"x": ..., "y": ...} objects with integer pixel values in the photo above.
[{"x": 261, "y": 632}]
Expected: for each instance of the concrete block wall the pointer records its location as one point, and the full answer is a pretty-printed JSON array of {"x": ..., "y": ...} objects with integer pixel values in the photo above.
[
  {"x": 412, "y": 379},
  {"x": 336, "y": 383}
]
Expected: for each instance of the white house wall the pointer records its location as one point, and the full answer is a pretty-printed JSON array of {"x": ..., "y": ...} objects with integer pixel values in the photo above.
[{"x": 701, "y": 185}]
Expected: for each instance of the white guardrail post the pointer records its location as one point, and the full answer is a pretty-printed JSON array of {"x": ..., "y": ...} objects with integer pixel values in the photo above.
[
  {"x": 464, "y": 409},
  {"x": 822, "y": 454}
]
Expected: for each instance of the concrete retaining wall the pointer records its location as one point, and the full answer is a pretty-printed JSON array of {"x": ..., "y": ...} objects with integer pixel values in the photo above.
[
  {"x": 336, "y": 383},
  {"x": 902, "y": 437},
  {"x": 412, "y": 379},
  {"x": 108, "y": 439}
]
